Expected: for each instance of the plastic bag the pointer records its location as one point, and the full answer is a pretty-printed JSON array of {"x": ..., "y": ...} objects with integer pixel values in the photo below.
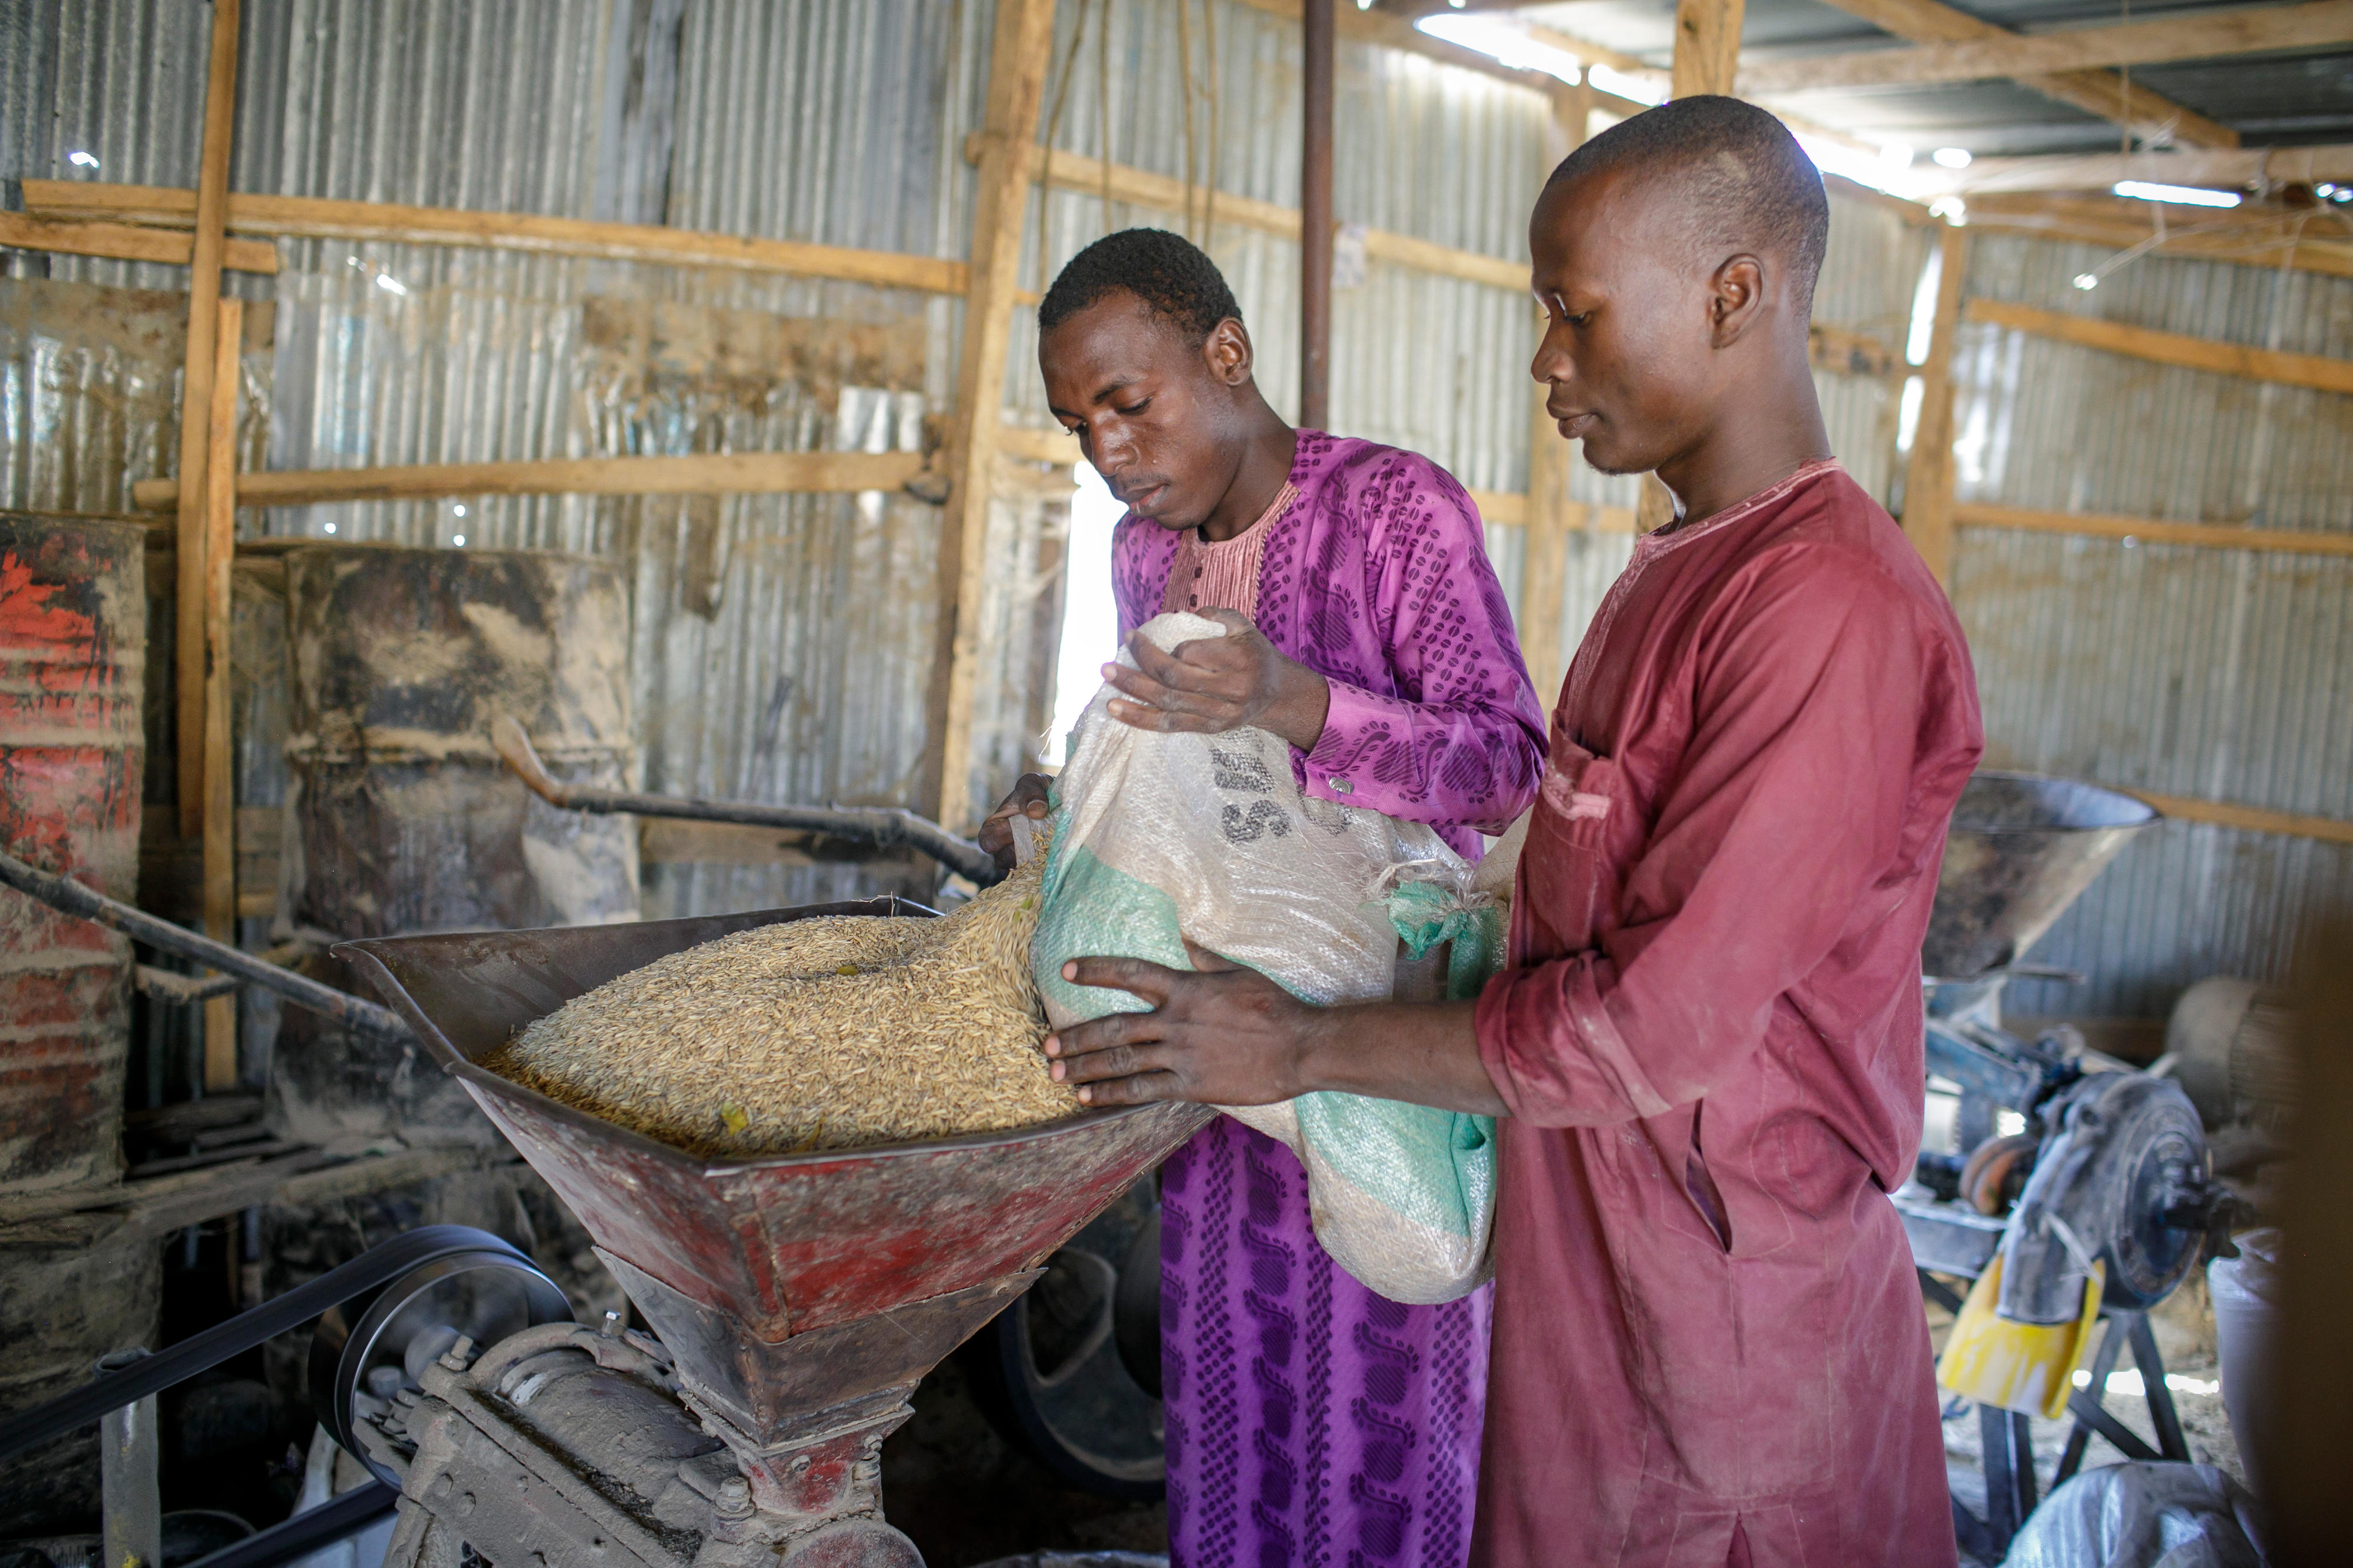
[
  {"x": 1158, "y": 838},
  {"x": 2141, "y": 1515}
]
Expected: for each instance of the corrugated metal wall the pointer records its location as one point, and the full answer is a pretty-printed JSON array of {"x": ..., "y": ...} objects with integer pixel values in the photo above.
[
  {"x": 2215, "y": 674},
  {"x": 783, "y": 644}
]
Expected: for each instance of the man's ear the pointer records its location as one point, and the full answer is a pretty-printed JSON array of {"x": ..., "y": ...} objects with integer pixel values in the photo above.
[
  {"x": 1227, "y": 352},
  {"x": 1735, "y": 298}
]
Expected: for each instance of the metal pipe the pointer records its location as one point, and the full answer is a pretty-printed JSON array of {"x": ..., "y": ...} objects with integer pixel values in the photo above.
[
  {"x": 1316, "y": 221},
  {"x": 65, "y": 894},
  {"x": 130, "y": 1500},
  {"x": 882, "y": 826}
]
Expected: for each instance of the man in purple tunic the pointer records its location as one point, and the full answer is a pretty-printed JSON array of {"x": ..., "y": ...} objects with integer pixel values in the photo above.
[{"x": 1309, "y": 1420}]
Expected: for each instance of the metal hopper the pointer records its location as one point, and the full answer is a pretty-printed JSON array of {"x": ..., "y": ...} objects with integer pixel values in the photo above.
[
  {"x": 2020, "y": 849},
  {"x": 801, "y": 1297}
]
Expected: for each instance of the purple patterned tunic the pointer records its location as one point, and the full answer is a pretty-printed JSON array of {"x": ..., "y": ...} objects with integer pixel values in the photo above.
[{"x": 1309, "y": 1420}]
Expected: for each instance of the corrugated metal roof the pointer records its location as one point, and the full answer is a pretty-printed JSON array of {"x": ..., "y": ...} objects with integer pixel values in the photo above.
[{"x": 2285, "y": 98}]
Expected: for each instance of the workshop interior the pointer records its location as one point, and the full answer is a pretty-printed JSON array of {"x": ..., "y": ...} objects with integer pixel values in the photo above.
[{"x": 502, "y": 504}]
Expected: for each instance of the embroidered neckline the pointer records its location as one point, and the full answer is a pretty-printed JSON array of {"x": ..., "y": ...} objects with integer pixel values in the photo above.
[
  {"x": 1274, "y": 508},
  {"x": 1667, "y": 539}
]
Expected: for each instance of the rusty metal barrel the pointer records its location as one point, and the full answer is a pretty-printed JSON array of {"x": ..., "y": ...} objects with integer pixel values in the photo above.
[
  {"x": 73, "y": 648},
  {"x": 401, "y": 816}
]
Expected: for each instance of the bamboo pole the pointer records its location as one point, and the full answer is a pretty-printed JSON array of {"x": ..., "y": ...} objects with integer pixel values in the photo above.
[
  {"x": 219, "y": 818},
  {"x": 195, "y": 379}
]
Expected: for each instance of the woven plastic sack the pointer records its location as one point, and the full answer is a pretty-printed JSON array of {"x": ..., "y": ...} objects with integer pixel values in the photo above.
[{"x": 1158, "y": 838}]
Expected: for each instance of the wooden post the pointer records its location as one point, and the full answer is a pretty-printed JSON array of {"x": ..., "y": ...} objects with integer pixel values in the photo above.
[
  {"x": 1928, "y": 480},
  {"x": 1707, "y": 59},
  {"x": 1316, "y": 217},
  {"x": 1708, "y": 46},
  {"x": 1016, "y": 78},
  {"x": 1543, "y": 568},
  {"x": 196, "y": 384},
  {"x": 219, "y": 796}
]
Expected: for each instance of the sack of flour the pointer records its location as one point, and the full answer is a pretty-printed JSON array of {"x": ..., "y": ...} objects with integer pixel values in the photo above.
[{"x": 1158, "y": 838}]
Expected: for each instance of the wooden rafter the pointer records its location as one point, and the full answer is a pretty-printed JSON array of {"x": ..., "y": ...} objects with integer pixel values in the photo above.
[
  {"x": 2224, "y": 168},
  {"x": 2152, "y": 116},
  {"x": 2253, "y": 29},
  {"x": 2305, "y": 239}
]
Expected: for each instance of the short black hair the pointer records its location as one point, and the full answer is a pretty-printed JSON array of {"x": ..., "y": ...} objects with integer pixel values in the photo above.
[
  {"x": 1173, "y": 278},
  {"x": 1751, "y": 186}
]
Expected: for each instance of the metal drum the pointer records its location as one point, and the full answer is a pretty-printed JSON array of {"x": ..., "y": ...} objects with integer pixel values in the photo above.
[
  {"x": 2020, "y": 849},
  {"x": 401, "y": 816},
  {"x": 73, "y": 648},
  {"x": 62, "y": 1306}
]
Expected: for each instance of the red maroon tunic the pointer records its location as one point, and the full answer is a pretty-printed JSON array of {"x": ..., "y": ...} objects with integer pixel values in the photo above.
[{"x": 1708, "y": 1343}]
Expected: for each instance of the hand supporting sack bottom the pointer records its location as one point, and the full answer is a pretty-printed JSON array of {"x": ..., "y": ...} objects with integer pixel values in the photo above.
[{"x": 1160, "y": 837}]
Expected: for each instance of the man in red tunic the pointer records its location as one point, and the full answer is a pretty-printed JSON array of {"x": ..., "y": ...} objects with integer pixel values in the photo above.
[{"x": 1709, "y": 1347}]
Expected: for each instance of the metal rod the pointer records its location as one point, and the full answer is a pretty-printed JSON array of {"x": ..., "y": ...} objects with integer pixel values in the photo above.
[
  {"x": 340, "y": 1518},
  {"x": 1316, "y": 221},
  {"x": 2161, "y": 1413},
  {"x": 882, "y": 826},
  {"x": 69, "y": 896},
  {"x": 131, "y": 1499},
  {"x": 2079, "y": 1437}
]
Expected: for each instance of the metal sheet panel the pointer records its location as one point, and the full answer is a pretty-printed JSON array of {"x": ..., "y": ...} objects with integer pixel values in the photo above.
[{"x": 2214, "y": 674}]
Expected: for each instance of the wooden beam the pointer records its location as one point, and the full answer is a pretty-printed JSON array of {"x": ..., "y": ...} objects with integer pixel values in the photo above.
[
  {"x": 2210, "y": 35},
  {"x": 208, "y": 208},
  {"x": 1140, "y": 187},
  {"x": 2153, "y": 116},
  {"x": 1708, "y": 46},
  {"x": 2269, "y": 237},
  {"x": 128, "y": 242},
  {"x": 2156, "y": 531},
  {"x": 1039, "y": 446},
  {"x": 1543, "y": 561},
  {"x": 1928, "y": 480},
  {"x": 2216, "y": 168},
  {"x": 219, "y": 783},
  {"x": 2248, "y": 818},
  {"x": 1019, "y": 51},
  {"x": 1707, "y": 54},
  {"x": 711, "y": 473},
  {"x": 2316, "y": 370},
  {"x": 1842, "y": 351},
  {"x": 313, "y": 217}
]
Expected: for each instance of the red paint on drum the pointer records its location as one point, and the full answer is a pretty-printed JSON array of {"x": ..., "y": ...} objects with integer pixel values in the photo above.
[{"x": 73, "y": 646}]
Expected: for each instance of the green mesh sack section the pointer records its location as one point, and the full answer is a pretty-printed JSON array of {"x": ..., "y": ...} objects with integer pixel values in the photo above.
[
  {"x": 1094, "y": 911},
  {"x": 1436, "y": 1168}
]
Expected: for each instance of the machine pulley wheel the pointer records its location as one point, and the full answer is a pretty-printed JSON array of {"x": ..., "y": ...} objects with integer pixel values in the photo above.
[{"x": 368, "y": 1349}]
